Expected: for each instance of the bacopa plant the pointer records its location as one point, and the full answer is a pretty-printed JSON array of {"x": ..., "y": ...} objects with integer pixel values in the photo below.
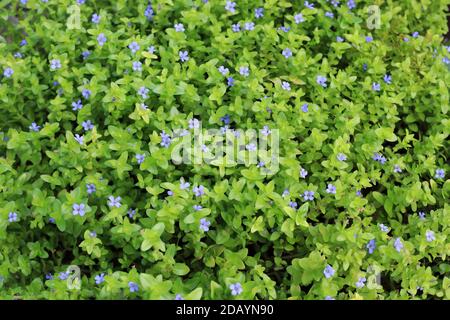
[{"x": 350, "y": 200}]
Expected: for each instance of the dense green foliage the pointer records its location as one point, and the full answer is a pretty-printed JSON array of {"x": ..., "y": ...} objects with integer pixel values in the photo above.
[{"x": 362, "y": 188}]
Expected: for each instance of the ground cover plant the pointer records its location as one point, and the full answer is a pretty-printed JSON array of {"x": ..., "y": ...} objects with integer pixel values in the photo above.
[{"x": 350, "y": 202}]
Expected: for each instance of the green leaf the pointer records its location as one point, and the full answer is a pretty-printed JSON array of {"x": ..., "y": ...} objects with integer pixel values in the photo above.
[
  {"x": 180, "y": 269},
  {"x": 152, "y": 238},
  {"x": 195, "y": 295}
]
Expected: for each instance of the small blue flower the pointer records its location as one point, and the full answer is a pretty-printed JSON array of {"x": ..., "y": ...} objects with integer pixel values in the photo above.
[
  {"x": 99, "y": 278},
  {"x": 86, "y": 54},
  {"x": 197, "y": 207},
  {"x": 371, "y": 246},
  {"x": 360, "y": 283},
  {"x": 204, "y": 224},
  {"x": 87, "y": 125},
  {"x": 236, "y": 27},
  {"x": 285, "y": 193},
  {"x": 341, "y": 157},
  {"x": 308, "y": 195},
  {"x": 23, "y": 42},
  {"x": 151, "y": 49},
  {"x": 285, "y": 29},
  {"x": 376, "y": 86},
  {"x": 8, "y": 72},
  {"x": 287, "y": 53},
  {"x": 398, "y": 245},
  {"x": 133, "y": 286},
  {"x": 286, "y": 85},
  {"x": 55, "y": 64},
  {"x": 321, "y": 80},
  {"x": 351, "y": 4},
  {"x": 134, "y": 47},
  {"x": 90, "y": 188},
  {"x": 379, "y": 157},
  {"x": 309, "y": 5},
  {"x": 249, "y": 26},
  {"x": 415, "y": 34},
  {"x": 165, "y": 139},
  {"x": 131, "y": 213},
  {"x": 114, "y": 202},
  {"x": 79, "y": 138},
  {"x": 406, "y": 39},
  {"x": 244, "y": 71},
  {"x": 439, "y": 174},
  {"x": 48, "y": 276},
  {"x": 18, "y": 55},
  {"x": 430, "y": 236},
  {"x": 397, "y": 168},
  {"x": 225, "y": 129},
  {"x": 78, "y": 209},
  {"x": 12, "y": 217},
  {"x": 250, "y": 147},
  {"x": 77, "y": 105},
  {"x": 63, "y": 275},
  {"x": 143, "y": 91},
  {"x": 230, "y": 81},
  {"x": 293, "y": 204},
  {"x": 137, "y": 66},
  {"x": 179, "y": 27},
  {"x": 179, "y": 297},
  {"x": 51, "y": 220},
  {"x": 236, "y": 289},
  {"x": 303, "y": 173},
  {"x": 387, "y": 79},
  {"x": 384, "y": 228},
  {"x": 265, "y": 131},
  {"x": 329, "y": 14},
  {"x": 369, "y": 39},
  {"x": 199, "y": 191},
  {"x": 339, "y": 39},
  {"x": 95, "y": 18},
  {"x": 34, "y": 127},
  {"x": 230, "y": 6},
  {"x": 259, "y": 13},
  {"x": 140, "y": 158},
  {"x": 364, "y": 67},
  {"x": 194, "y": 123},
  {"x": 329, "y": 298},
  {"x": 304, "y": 107},
  {"x": 224, "y": 71},
  {"x": 421, "y": 215},
  {"x": 298, "y": 18},
  {"x": 328, "y": 271},
  {"x": 101, "y": 39},
  {"x": 86, "y": 93},
  {"x": 331, "y": 189},
  {"x": 183, "y": 184},
  {"x": 148, "y": 13},
  {"x": 183, "y": 56}
]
